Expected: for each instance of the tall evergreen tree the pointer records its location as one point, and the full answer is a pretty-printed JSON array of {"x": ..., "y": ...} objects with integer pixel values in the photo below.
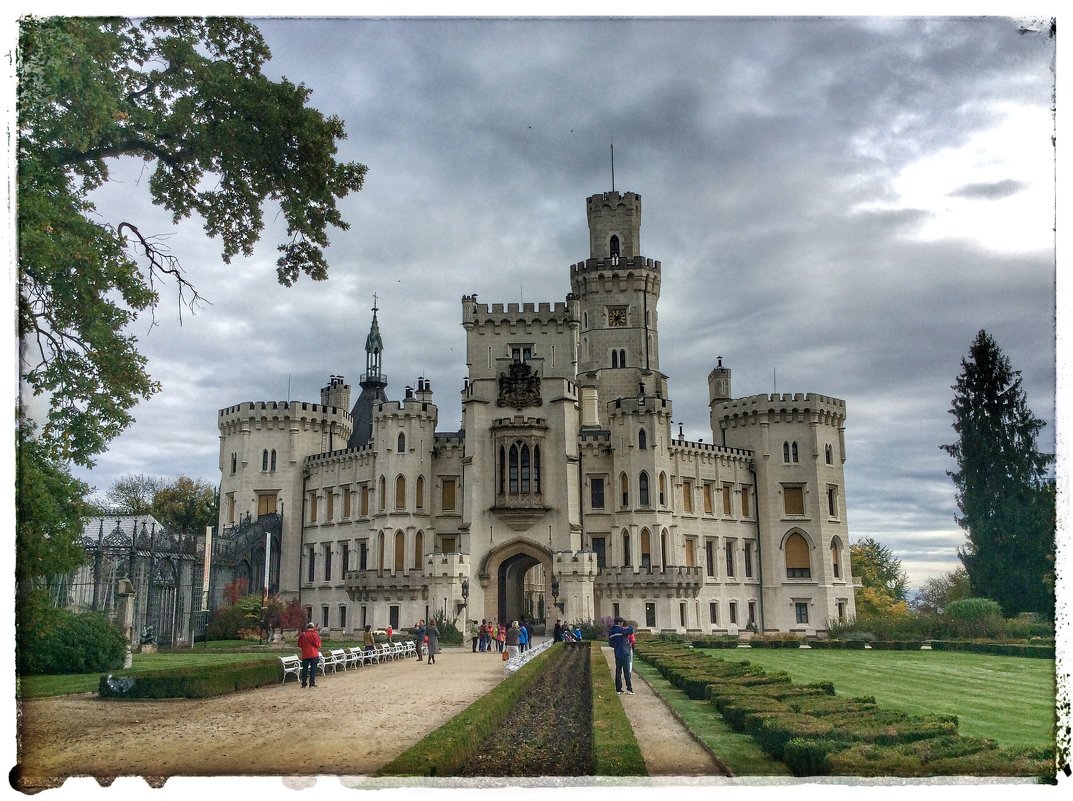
[{"x": 1004, "y": 493}]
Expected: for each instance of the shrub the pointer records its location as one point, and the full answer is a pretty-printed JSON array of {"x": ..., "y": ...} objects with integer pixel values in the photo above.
[
  {"x": 202, "y": 681},
  {"x": 973, "y": 617},
  {"x": 58, "y": 641},
  {"x": 449, "y": 633}
]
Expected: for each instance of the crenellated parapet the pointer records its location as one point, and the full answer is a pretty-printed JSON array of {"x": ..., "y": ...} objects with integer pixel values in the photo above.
[
  {"x": 706, "y": 452},
  {"x": 447, "y": 566},
  {"x": 282, "y": 415},
  {"x": 576, "y": 565},
  {"x": 476, "y": 316},
  {"x": 373, "y": 585},
  {"x": 797, "y": 407}
]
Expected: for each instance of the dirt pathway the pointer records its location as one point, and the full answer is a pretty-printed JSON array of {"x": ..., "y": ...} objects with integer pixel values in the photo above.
[{"x": 666, "y": 745}]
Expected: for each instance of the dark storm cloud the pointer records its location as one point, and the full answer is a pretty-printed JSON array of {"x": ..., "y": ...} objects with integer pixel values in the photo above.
[{"x": 767, "y": 153}]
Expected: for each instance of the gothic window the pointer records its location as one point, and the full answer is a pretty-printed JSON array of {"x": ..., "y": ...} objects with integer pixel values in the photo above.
[
  {"x": 264, "y": 461},
  {"x": 836, "y": 558},
  {"x": 662, "y": 489},
  {"x": 273, "y": 461},
  {"x": 526, "y": 486},
  {"x": 828, "y": 454},
  {"x": 419, "y": 495},
  {"x": 622, "y": 358},
  {"x": 400, "y": 551},
  {"x": 382, "y": 502},
  {"x": 614, "y": 358},
  {"x": 729, "y": 548},
  {"x": 626, "y": 555},
  {"x": 786, "y": 452},
  {"x": 613, "y": 247},
  {"x": 663, "y": 548},
  {"x": 796, "y": 551},
  {"x": 380, "y": 545},
  {"x": 596, "y": 490},
  {"x": 401, "y": 444},
  {"x": 793, "y": 452},
  {"x": 400, "y": 492},
  {"x": 519, "y": 468},
  {"x": 536, "y": 469},
  {"x": 832, "y": 500},
  {"x": 502, "y": 468},
  {"x": 643, "y": 493},
  {"x": 624, "y": 486},
  {"x": 234, "y": 463},
  {"x": 419, "y": 547},
  {"x": 311, "y": 564},
  {"x": 642, "y": 440},
  {"x": 646, "y": 550}
]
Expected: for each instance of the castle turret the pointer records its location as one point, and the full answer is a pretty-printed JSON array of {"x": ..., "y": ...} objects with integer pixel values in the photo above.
[
  {"x": 718, "y": 384},
  {"x": 373, "y": 385}
]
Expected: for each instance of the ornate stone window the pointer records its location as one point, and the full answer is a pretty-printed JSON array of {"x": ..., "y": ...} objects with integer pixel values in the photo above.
[{"x": 519, "y": 472}]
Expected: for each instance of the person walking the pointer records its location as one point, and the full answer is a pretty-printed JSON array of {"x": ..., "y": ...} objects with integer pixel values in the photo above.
[
  {"x": 523, "y": 638},
  {"x": 511, "y": 639},
  {"x": 309, "y": 643},
  {"x": 502, "y": 637},
  {"x": 617, "y": 638},
  {"x": 433, "y": 644},
  {"x": 557, "y": 632},
  {"x": 482, "y": 643},
  {"x": 370, "y": 640},
  {"x": 419, "y": 638},
  {"x": 475, "y": 633}
]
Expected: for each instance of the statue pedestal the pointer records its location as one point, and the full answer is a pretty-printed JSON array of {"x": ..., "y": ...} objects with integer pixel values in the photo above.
[{"x": 128, "y": 659}]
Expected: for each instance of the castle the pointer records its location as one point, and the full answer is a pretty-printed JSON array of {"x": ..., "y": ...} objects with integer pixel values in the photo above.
[{"x": 564, "y": 495}]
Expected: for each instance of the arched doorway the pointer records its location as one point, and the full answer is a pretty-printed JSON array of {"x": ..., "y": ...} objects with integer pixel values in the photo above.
[{"x": 520, "y": 573}]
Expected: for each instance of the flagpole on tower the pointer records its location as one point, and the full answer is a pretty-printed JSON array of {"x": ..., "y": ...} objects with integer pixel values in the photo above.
[{"x": 612, "y": 165}]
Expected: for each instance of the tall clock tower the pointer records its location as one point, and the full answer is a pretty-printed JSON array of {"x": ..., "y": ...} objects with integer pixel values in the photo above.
[{"x": 618, "y": 290}]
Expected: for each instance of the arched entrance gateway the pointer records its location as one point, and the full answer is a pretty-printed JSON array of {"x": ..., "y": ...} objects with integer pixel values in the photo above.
[{"x": 519, "y": 575}]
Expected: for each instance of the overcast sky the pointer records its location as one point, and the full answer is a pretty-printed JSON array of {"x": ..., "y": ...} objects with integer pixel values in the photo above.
[{"x": 839, "y": 206}]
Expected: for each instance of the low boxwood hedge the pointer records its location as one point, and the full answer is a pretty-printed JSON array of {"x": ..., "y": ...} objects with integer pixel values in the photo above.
[
  {"x": 999, "y": 648},
  {"x": 190, "y": 682}
]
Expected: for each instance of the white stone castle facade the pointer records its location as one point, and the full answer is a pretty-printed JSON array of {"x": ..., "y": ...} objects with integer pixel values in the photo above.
[{"x": 565, "y": 494}]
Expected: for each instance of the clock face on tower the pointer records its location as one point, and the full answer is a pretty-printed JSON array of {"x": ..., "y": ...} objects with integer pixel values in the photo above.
[{"x": 616, "y": 316}]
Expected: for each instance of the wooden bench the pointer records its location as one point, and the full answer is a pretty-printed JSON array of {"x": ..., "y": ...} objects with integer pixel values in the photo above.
[{"x": 292, "y": 666}]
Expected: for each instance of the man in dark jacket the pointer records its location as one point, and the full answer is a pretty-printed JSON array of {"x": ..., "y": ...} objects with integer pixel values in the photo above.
[
  {"x": 618, "y": 638},
  {"x": 309, "y": 643},
  {"x": 557, "y": 632}
]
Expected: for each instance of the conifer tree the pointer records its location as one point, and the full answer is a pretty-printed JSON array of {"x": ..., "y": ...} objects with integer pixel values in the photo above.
[{"x": 1004, "y": 493}]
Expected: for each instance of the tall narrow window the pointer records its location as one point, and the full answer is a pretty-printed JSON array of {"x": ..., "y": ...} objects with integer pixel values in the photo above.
[
  {"x": 447, "y": 494},
  {"x": 400, "y": 492},
  {"x": 786, "y": 452},
  {"x": 344, "y": 557},
  {"x": 728, "y": 511},
  {"x": 264, "y": 461},
  {"x": 613, "y": 247},
  {"x": 381, "y": 544},
  {"x": 730, "y": 558},
  {"x": 364, "y": 500},
  {"x": 234, "y": 463},
  {"x": 691, "y": 552},
  {"x": 836, "y": 558},
  {"x": 419, "y": 548},
  {"x": 627, "y": 558},
  {"x": 419, "y": 495},
  {"x": 662, "y": 489},
  {"x": 624, "y": 486},
  {"x": 400, "y": 552},
  {"x": 622, "y": 358},
  {"x": 401, "y": 444},
  {"x": 646, "y": 550},
  {"x": 614, "y": 359},
  {"x": 311, "y": 564},
  {"x": 642, "y": 440},
  {"x": 798, "y": 564},
  {"x": 346, "y": 501},
  {"x": 596, "y": 489},
  {"x": 526, "y": 486},
  {"x": 707, "y": 498},
  {"x": 512, "y": 477},
  {"x": 746, "y": 507},
  {"x": 687, "y": 497},
  {"x": 828, "y": 455},
  {"x": 709, "y": 555},
  {"x": 832, "y": 500},
  {"x": 382, "y": 496},
  {"x": 230, "y": 507},
  {"x": 313, "y": 507},
  {"x": 502, "y": 468},
  {"x": 327, "y": 562},
  {"x": 793, "y": 452},
  {"x": 329, "y": 509},
  {"x": 536, "y": 469},
  {"x": 748, "y": 560},
  {"x": 643, "y": 489}
]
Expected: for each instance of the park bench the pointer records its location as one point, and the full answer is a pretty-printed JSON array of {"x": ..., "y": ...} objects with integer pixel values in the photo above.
[
  {"x": 339, "y": 658},
  {"x": 355, "y": 657},
  {"x": 398, "y": 650},
  {"x": 386, "y": 651},
  {"x": 373, "y": 655},
  {"x": 328, "y": 661},
  {"x": 292, "y": 666}
]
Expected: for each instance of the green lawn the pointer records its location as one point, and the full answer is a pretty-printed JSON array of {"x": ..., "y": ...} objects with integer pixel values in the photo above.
[
  {"x": 739, "y": 752},
  {"x": 1007, "y": 698}
]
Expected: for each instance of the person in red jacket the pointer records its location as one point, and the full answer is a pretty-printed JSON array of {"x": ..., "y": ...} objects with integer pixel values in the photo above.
[{"x": 309, "y": 642}]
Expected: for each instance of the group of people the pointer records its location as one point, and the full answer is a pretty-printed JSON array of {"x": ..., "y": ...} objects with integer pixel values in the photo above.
[
  {"x": 563, "y": 633},
  {"x": 492, "y": 637}
]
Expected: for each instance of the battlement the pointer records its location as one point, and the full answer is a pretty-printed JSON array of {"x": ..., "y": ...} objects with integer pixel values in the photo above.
[
  {"x": 638, "y": 404},
  {"x": 612, "y": 199},
  {"x": 455, "y": 440},
  {"x": 798, "y": 406},
  {"x": 257, "y": 409},
  {"x": 327, "y": 456},
  {"x": 515, "y": 313},
  {"x": 619, "y": 264},
  {"x": 408, "y": 407},
  {"x": 574, "y": 563},
  {"x": 685, "y": 447}
]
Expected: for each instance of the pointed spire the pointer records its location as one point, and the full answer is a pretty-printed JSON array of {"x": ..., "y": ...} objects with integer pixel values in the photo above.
[{"x": 374, "y": 345}]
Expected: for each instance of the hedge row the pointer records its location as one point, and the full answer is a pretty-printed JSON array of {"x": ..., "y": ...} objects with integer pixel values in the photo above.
[
  {"x": 1000, "y": 648},
  {"x": 445, "y": 751},
  {"x": 815, "y": 733},
  {"x": 191, "y": 682}
]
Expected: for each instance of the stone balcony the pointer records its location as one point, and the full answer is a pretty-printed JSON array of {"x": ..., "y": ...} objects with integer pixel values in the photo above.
[
  {"x": 373, "y": 585},
  {"x": 672, "y": 581}
]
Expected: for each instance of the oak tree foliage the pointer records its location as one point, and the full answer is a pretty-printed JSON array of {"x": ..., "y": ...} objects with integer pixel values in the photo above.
[
  {"x": 221, "y": 140},
  {"x": 1005, "y": 496},
  {"x": 884, "y": 584}
]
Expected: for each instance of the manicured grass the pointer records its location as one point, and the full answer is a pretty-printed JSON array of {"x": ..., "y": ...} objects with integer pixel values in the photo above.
[
  {"x": 1007, "y": 698},
  {"x": 739, "y": 752}
]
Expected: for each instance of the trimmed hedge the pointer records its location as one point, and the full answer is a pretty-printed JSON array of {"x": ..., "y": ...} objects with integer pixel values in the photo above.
[
  {"x": 446, "y": 750},
  {"x": 999, "y": 648},
  {"x": 717, "y": 642},
  {"x": 191, "y": 682},
  {"x": 816, "y": 733}
]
